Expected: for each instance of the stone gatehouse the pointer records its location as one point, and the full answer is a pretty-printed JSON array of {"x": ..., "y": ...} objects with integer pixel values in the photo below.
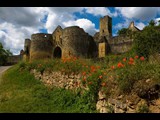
[{"x": 74, "y": 41}]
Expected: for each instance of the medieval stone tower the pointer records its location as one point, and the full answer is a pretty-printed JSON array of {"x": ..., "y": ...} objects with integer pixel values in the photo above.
[
  {"x": 104, "y": 35},
  {"x": 106, "y": 26}
]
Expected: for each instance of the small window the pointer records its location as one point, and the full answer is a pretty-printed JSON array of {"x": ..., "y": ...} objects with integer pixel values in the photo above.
[{"x": 45, "y": 36}]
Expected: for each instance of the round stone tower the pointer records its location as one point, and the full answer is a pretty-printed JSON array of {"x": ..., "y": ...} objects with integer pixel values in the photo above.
[
  {"x": 75, "y": 42},
  {"x": 41, "y": 46}
]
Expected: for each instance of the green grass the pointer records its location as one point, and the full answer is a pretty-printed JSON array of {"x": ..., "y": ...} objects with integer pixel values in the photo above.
[{"x": 21, "y": 93}]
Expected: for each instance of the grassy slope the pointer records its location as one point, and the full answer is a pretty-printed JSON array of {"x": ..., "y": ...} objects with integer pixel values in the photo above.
[{"x": 20, "y": 92}]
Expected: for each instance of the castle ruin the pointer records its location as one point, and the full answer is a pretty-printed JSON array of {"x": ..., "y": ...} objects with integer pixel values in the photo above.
[{"x": 74, "y": 41}]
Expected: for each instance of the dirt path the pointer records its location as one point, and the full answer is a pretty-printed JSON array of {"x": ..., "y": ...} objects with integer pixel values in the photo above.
[{"x": 3, "y": 69}]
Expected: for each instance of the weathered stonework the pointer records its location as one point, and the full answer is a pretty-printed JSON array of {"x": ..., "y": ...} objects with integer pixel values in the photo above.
[
  {"x": 106, "y": 26},
  {"x": 41, "y": 46},
  {"x": 59, "y": 79},
  {"x": 74, "y": 41}
]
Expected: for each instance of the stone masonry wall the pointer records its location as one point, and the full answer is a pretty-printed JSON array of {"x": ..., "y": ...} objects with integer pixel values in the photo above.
[
  {"x": 75, "y": 42},
  {"x": 57, "y": 36},
  {"x": 120, "y": 44},
  {"x": 27, "y": 46},
  {"x": 14, "y": 59},
  {"x": 41, "y": 46},
  {"x": 106, "y": 26}
]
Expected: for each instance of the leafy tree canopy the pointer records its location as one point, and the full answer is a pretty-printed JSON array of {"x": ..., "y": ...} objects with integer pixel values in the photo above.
[
  {"x": 4, "y": 55},
  {"x": 147, "y": 42}
]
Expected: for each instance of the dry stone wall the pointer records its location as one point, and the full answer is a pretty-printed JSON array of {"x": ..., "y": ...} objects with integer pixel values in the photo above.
[
  {"x": 59, "y": 79},
  {"x": 119, "y": 103}
]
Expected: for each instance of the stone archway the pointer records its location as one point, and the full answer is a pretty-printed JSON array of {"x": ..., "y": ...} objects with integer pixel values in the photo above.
[{"x": 57, "y": 52}]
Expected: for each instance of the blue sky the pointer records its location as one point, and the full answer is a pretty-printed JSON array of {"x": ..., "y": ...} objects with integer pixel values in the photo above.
[{"x": 18, "y": 23}]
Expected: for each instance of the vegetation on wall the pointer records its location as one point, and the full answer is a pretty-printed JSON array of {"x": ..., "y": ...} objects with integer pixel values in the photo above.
[{"x": 124, "y": 31}]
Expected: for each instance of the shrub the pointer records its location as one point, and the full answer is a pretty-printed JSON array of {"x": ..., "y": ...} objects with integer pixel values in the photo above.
[{"x": 147, "y": 42}]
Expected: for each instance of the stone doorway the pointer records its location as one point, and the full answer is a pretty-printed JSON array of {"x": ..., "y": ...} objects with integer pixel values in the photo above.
[{"x": 57, "y": 52}]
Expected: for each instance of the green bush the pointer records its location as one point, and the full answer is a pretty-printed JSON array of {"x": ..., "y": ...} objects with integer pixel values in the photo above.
[{"x": 147, "y": 42}]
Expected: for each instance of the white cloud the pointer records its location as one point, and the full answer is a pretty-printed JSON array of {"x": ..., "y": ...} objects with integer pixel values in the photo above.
[
  {"x": 62, "y": 10},
  {"x": 86, "y": 24},
  {"x": 58, "y": 15},
  {"x": 102, "y": 11},
  {"x": 21, "y": 16},
  {"x": 140, "y": 25},
  {"x": 13, "y": 38},
  {"x": 17, "y": 24},
  {"x": 157, "y": 20},
  {"x": 142, "y": 13},
  {"x": 124, "y": 24}
]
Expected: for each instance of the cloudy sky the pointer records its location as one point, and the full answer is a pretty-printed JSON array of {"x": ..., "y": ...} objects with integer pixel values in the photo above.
[{"x": 19, "y": 23}]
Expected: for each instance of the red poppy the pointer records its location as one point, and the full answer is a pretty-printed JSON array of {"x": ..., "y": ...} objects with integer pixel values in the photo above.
[
  {"x": 131, "y": 59},
  {"x": 136, "y": 56},
  {"x": 142, "y": 58},
  {"x": 84, "y": 79},
  {"x": 84, "y": 73},
  {"x": 103, "y": 84},
  {"x": 131, "y": 63},
  {"x": 93, "y": 69},
  {"x": 113, "y": 67},
  {"x": 89, "y": 83},
  {"x": 124, "y": 59},
  {"x": 98, "y": 67},
  {"x": 120, "y": 65},
  {"x": 100, "y": 76}
]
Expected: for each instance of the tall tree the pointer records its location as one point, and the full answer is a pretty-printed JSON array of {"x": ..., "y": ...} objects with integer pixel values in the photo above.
[{"x": 4, "y": 55}]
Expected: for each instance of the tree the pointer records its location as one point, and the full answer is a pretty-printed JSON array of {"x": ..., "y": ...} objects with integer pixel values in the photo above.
[
  {"x": 4, "y": 55},
  {"x": 124, "y": 31},
  {"x": 152, "y": 23},
  {"x": 147, "y": 42}
]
